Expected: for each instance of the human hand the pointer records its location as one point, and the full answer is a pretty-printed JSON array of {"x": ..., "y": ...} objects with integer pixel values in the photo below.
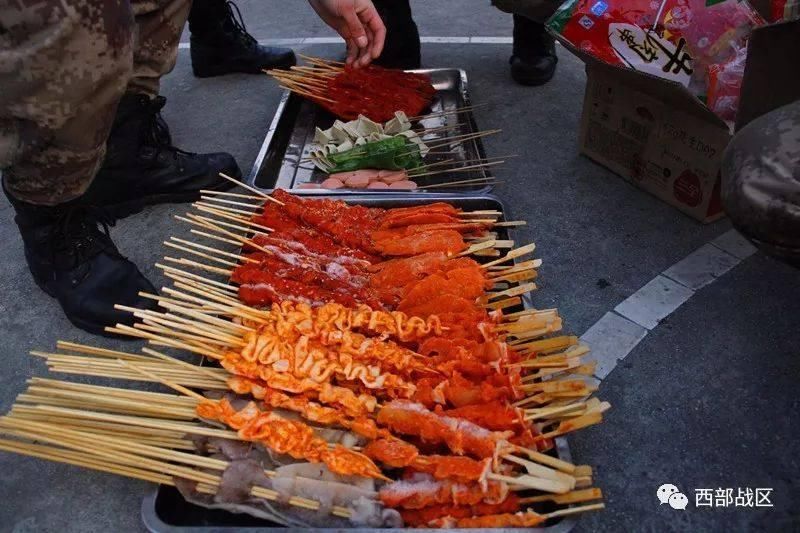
[{"x": 358, "y": 23}]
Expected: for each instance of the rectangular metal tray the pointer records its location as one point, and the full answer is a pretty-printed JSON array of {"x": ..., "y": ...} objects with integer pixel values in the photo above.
[
  {"x": 289, "y": 139},
  {"x": 165, "y": 510}
]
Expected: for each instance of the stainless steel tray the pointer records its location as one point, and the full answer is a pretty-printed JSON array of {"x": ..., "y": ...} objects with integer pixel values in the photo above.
[
  {"x": 165, "y": 510},
  {"x": 289, "y": 139}
]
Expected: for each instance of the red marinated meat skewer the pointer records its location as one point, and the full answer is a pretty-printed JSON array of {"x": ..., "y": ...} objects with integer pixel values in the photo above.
[
  {"x": 422, "y": 517},
  {"x": 422, "y": 491},
  {"x": 462, "y": 437},
  {"x": 377, "y": 93}
]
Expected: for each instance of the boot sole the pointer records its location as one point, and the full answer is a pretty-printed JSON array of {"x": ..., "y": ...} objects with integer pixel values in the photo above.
[
  {"x": 132, "y": 207},
  {"x": 532, "y": 81},
  {"x": 91, "y": 327}
]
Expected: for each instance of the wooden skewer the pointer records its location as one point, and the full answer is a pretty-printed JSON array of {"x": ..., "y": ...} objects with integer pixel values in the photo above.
[
  {"x": 102, "y": 352},
  {"x": 200, "y": 254},
  {"x": 545, "y": 472},
  {"x": 534, "y": 414},
  {"x": 179, "y": 388},
  {"x": 523, "y": 250},
  {"x": 548, "y": 460},
  {"x": 122, "y": 329},
  {"x": 231, "y": 202},
  {"x": 132, "y": 454},
  {"x": 480, "y": 213},
  {"x": 426, "y": 131},
  {"x": 476, "y": 247},
  {"x": 251, "y": 189},
  {"x": 514, "y": 291},
  {"x": 518, "y": 276},
  {"x": 576, "y": 496},
  {"x": 445, "y": 141},
  {"x": 517, "y": 267},
  {"x": 303, "y": 78},
  {"x": 212, "y": 236},
  {"x": 531, "y": 482},
  {"x": 321, "y": 61},
  {"x": 190, "y": 275},
  {"x": 448, "y": 112},
  {"x": 231, "y": 194},
  {"x": 574, "y": 510},
  {"x": 195, "y": 368},
  {"x": 230, "y": 216},
  {"x": 462, "y": 162},
  {"x": 503, "y": 304},
  {"x": 118, "y": 373},
  {"x": 313, "y": 95},
  {"x": 454, "y": 170},
  {"x": 195, "y": 264},
  {"x": 212, "y": 250},
  {"x": 225, "y": 209}
]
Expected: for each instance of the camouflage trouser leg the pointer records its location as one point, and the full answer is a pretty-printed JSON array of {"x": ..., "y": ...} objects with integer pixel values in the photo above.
[
  {"x": 64, "y": 64},
  {"x": 159, "y": 24},
  {"x": 761, "y": 181}
]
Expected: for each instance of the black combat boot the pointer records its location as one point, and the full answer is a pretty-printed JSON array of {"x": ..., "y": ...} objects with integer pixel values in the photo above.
[
  {"x": 402, "y": 48},
  {"x": 73, "y": 260},
  {"x": 142, "y": 167},
  {"x": 534, "y": 58},
  {"x": 221, "y": 45}
]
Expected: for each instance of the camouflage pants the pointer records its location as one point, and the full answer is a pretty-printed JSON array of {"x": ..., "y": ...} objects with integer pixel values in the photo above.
[
  {"x": 761, "y": 181},
  {"x": 64, "y": 65}
]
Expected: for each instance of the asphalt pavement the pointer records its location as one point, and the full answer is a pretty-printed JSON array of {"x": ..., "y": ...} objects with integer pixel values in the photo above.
[{"x": 707, "y": 400}]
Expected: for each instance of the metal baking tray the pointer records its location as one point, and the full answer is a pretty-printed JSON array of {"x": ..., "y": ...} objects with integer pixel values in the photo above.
[
  {"x": 165, "y": 510},
  {"x": 289, "y": 139}
]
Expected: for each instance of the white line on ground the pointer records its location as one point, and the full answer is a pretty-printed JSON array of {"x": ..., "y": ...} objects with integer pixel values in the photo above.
[
  {"x": 655, "y": 301},
  {"x": 618, "y": 332},
  {"x": 611, "y": 338},
  {"x": 701, "y": 267},
  {"x": 336, "y": 40}
]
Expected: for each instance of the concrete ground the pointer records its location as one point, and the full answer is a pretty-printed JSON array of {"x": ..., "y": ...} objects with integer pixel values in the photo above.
[{"x": 703, "y": 401}]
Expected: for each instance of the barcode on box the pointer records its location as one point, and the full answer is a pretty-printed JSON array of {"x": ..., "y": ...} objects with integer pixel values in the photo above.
[{"x": 635, "y": 130}]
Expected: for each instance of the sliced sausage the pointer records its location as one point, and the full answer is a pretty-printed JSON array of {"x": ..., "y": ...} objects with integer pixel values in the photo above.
[
  {"x": 332, "y": 183},
  {"x": 406, "y": 185},
  {"x": 392, "y": 176}
]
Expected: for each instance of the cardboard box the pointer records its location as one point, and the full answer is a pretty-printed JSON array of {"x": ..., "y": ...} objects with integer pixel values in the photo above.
[{"x": 657, "y": 135}]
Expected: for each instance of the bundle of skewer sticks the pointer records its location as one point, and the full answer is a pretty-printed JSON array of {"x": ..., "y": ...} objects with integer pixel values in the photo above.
[
  {"x": 152, "y": 435},
  {"x": 373, "y": 91},
  {"x": 462, "y": 474}
]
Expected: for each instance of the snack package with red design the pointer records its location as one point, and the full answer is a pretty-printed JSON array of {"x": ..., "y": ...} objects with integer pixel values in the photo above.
[
  {"x": 783, "y": 10},
  {"x": 725, "y": 84},
  {"x": 678, "y": 40}
]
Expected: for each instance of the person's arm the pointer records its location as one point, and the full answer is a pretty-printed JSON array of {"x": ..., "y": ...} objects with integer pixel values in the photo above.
[{"x": 358, "y": 23}]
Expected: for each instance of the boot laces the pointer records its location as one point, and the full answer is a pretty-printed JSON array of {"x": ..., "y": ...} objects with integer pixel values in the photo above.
[
  {"x": 235, "y": 24},
  {"x": 81, "y": 233},
  {"x": 155, "y": 132}
]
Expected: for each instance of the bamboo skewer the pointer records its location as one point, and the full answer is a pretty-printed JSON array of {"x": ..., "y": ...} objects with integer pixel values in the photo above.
[
  {"x": 120, "y": 451},
  {"x": 456, "y": 111},
  {"x": 249, "y": 188},
  {"x": 201, "y": 266},
  {"x": 191, "y": 323},
  {"x": 230, "y": 202}
]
